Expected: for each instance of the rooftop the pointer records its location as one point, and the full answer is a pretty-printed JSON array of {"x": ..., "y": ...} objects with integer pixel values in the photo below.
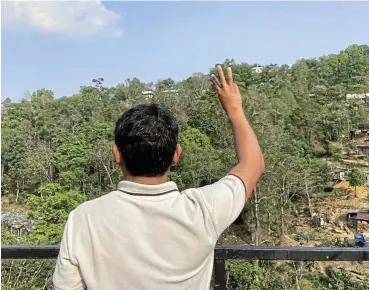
[{"x": 364, "y": 145}]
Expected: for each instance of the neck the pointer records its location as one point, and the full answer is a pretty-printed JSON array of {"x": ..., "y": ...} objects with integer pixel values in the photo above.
[{"x": 147, "y": 180}]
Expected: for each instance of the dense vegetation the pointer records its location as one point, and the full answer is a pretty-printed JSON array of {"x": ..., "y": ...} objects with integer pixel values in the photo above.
[{"x": 56, "y": 153}]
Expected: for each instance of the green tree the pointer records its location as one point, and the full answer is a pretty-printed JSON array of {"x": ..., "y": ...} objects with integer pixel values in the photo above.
[
  {"x": 50, "y": 211},
  {"x": 200, "y": 162},
  {"x": 165, "y": 84},
  {"x": 356, "y": 177},
  {"x": 70, "y": 159}
]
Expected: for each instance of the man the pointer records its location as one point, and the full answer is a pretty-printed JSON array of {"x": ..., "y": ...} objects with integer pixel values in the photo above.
[{"x": 147, "y": 234}]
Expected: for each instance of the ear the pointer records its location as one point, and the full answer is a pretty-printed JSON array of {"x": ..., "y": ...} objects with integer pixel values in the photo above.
[
  {"x": 176, "y": 155},
  {"x": 117, "y": 156}
]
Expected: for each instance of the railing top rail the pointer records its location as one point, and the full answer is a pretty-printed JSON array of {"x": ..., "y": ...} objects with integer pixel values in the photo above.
[
  {"x": 293, "y": 253},
  {"x": 221, "y": 253}
]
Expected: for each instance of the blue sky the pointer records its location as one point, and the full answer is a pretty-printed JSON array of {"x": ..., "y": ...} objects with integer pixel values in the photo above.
[{"x": 56, "y": 46}]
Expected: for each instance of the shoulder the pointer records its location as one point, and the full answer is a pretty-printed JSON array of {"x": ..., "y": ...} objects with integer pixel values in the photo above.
[
  {"x": 92, "y": 206},
  {"x": 230, "y": 182}
]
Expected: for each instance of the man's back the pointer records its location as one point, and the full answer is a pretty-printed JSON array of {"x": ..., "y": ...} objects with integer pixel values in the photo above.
[{"x": 148, "y": 236}]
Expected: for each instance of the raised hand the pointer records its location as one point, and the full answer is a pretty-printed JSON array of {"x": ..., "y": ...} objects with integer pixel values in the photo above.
[{"x": 229, "y": 94}]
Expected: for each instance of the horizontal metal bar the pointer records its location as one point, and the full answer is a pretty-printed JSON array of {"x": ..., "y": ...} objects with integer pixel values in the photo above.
[
  {"x": 222, "y": 252},
  {"x": 292, "y": 253},
  {"x": 29, "y": 252}
]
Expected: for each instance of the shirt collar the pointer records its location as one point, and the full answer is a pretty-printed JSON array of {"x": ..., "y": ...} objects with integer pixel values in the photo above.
[{"x": 139, "y": 189}]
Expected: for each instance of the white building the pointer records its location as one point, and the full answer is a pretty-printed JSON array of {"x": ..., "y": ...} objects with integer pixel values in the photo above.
[
  {"x": 357, "y": 96},
  {"x": 339, "y": 175},
  {"x": 148, "y": 94},
  {"x": 257, "y": 69},
  {"x": 171, "y": 91}
]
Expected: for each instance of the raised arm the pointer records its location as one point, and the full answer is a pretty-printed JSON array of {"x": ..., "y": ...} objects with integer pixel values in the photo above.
[{"x": 250, "y": 158}]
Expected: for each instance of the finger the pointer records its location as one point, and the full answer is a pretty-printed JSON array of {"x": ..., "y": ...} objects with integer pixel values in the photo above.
[
  {"x": 229, "y": 76},
  {"x": 236, "y": 87},
  {"x": 215, "y": 79},
  {"x": 217, "y": 88},
  {"x": 221, "y": 75}
]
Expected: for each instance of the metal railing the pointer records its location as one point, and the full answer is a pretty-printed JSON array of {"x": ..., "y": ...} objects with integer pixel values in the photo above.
[{"x": 222, "y": 253}]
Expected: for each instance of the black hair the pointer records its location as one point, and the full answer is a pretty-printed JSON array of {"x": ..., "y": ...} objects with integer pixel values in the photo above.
[{"x": 146, "y": 136}]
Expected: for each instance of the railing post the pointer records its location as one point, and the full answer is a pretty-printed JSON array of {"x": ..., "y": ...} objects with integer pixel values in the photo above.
[{"x": 220, "y": 274}]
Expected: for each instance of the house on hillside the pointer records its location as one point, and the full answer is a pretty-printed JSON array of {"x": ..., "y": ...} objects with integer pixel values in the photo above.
[
  {"x": 355, "y": 133},
  {"x": 339, "y": 174},
  {"x": 357, "y": 215},
  {"x": 360, "y": 97},
  {"x": 171, "y": 91},
  {"x": 364, "y": 148},
  {"x": 148, "y": 93},
  {"x": 365, "y": 132},
  {"x": 257, "y": 69}
]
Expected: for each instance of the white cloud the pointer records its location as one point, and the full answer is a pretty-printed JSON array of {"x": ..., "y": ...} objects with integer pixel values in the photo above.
[{"x": 79, "y": 18}]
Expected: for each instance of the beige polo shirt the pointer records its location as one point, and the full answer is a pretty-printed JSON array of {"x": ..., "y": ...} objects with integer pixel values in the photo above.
[{"x": 147, "y": 237}]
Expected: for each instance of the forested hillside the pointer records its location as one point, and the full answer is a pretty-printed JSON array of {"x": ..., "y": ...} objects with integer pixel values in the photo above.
[{"x": 56, "y": 153}]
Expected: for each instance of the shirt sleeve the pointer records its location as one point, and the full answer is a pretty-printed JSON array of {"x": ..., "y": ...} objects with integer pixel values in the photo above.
[
  {"x": 224, "y": 200},
  {"x": 67, "y": 275}
]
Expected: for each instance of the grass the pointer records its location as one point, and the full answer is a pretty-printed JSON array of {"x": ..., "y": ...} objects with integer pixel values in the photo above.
[{"x": 7, "y": 206}]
